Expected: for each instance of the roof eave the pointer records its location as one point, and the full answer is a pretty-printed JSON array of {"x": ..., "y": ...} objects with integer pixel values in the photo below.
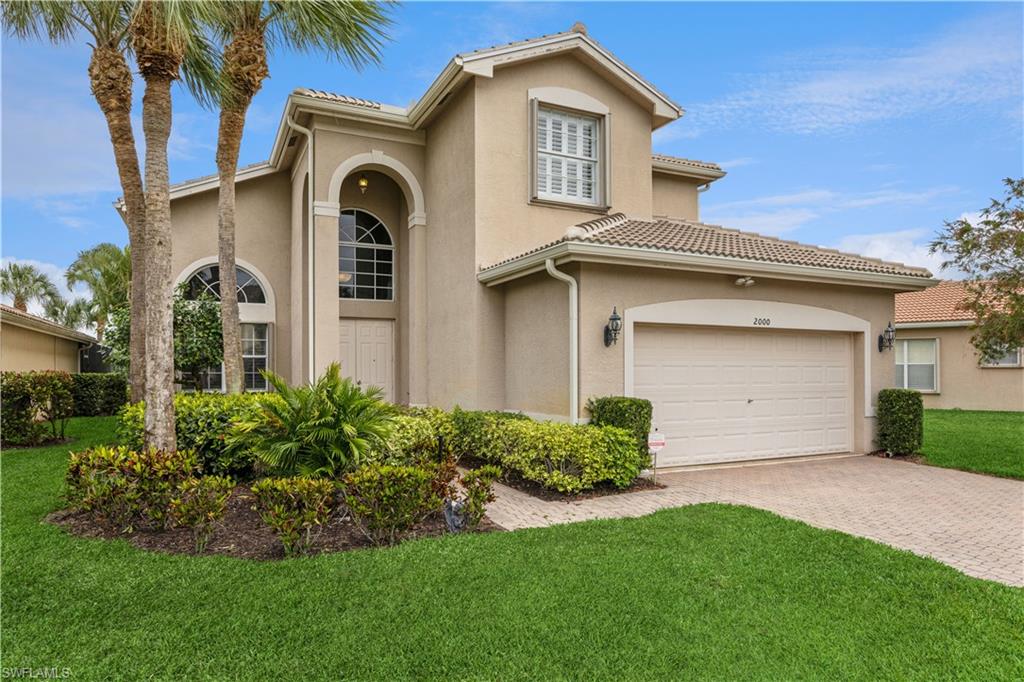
[
  {"x": 930, "y": 324},
  {"x": 706, "y": 174},
  {"x": 644, "y": 257},
  {"x": 44, "y": 326}
]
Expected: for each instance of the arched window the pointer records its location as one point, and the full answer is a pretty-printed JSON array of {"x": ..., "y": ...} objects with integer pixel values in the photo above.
[
  {"x": 207, "y": 280},
  {"x": 366, "y": 257}
]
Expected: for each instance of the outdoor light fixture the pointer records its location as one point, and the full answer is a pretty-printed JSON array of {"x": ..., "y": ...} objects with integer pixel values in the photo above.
[
  {"x": 886, "y": 338},
  {"x": 745, "y": 281},
  {"x": 612, "y": 329},
  {"x": 363, "y": 183}
]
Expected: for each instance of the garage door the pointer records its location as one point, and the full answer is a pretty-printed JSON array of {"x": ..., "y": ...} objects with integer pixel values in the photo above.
[{"x": 724, "y": 394}]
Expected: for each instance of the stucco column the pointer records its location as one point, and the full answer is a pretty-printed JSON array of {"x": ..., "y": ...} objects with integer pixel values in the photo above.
[
  {"x": 326, "y": 303},
  {"x": 417, "y": 310}
]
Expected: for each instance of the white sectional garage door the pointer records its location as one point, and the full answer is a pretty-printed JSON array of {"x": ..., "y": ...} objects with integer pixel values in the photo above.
[{"x": 724, "y": 394}]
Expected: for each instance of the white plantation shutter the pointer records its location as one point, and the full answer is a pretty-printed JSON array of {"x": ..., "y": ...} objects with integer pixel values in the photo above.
[{"x": 567, "y": 156}]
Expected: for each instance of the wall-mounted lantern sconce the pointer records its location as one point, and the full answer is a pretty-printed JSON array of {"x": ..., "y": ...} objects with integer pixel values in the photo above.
[
  {"x": 612, "y": 329},
  {"x": 363, "y": 183},
  {"x": 887, "y": 338}
]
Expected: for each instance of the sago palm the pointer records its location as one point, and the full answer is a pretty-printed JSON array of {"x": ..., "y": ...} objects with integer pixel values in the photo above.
[
  {"x": 106, "y": 25},
  {"x": 106, "y": 271},
  {"x": 323, "y": 430},
  {"x": 351, "y": 30},
  {"x": 169, "y": 42},
  {"x": 25, "y": 284}
]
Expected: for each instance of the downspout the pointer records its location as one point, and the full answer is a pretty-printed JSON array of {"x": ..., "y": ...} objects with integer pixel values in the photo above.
[
  {"x": 704, "y": 188},
  {"x": 574, "y": 339},
  {"x": 310, "y": 252}
]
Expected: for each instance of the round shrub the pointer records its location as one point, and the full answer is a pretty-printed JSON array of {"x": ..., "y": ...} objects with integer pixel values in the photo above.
[{"x": 386, "y": 501}]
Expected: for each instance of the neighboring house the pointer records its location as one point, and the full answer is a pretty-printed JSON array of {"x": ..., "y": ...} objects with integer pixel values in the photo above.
[
  {"x": 934, "y": 355},
  {"x": 29, "y": 342},
  {"x": 469, "y": 249}
]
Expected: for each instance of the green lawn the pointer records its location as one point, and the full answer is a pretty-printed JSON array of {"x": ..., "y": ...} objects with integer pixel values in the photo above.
[
  {"x": 986, "y": 442},
  {"x": 704, "y": 592}
]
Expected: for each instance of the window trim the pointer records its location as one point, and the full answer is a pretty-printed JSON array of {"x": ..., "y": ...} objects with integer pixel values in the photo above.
[
  {"x": 269, "y": 357},
  {"x": 394, "y": 258},
  {"x": 571, "y": 102},
  {"x": 1020, "y": 362},
  {"x": 902, "y": 381},
  {"x": 247, "y": 312}
]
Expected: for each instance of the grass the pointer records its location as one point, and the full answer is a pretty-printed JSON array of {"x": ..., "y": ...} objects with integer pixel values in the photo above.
[
  {"x": 703, "y": 592},
  {"x": 984, "y": 442}
]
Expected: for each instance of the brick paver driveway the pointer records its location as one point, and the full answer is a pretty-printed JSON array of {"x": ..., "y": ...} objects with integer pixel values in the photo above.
[{"x": 972, "y": 522}]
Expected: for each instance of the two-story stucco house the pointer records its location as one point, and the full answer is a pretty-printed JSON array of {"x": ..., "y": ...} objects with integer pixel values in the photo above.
[{"x": 470, "y": 249}]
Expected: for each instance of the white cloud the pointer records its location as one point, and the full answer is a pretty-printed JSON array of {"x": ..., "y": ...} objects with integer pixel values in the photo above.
[
  {"x": 772, "y": 223},
  {"x": 905, "y": 246},
  {"x": 56, "y": 275},
  {"x": 972, "y": 65},
  {"x": 738, "y": 162}
]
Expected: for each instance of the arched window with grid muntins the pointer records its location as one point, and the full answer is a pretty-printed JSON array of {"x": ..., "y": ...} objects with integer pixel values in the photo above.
[
  {"x": 207, "y": 280},
  {"x": 366, "y": 257}
]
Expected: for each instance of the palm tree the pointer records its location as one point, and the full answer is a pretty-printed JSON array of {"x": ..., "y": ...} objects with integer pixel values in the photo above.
[
  {"x": 169, "y": 43},
  {"x": 77, "y": 313},
  {"x": 106, "y": 270},
  {"x": 25, "y": 283},
  {"x": 107, "y": 26},
  {"x": 351, "y": 30}
]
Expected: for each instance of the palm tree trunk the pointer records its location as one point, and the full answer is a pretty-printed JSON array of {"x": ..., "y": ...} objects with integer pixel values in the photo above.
[
  {"x": 156, "y": 124},
  {"x": 20, "y": 303},
  {"x": 229, "y": 139},
  {"x": 111, "y": 81}
]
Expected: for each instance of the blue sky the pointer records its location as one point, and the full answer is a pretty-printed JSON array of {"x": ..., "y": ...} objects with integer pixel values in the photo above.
[{"x": 858, "y": 126}]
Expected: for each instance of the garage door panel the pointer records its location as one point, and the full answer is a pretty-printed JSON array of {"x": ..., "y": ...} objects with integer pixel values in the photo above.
[{"x": 735, "y": 394}]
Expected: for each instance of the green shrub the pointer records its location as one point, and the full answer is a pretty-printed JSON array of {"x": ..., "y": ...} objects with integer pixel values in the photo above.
[
  {"x": 203, "y": 422},
  {"x": 442, "y": 422},
  {"x": 470, "y": 427},
  {"x": 126, "y": 486},
  {"x": 632, "y": 414},
  {"x": 386, "y": 501},
  {"x": 295, "y": 508},
  {"x": 35, "y": 406},
  {"x": 97, "y": 394},
  {"x": 478, "y": 491},
  {"x": 561, "y": 456},
  {"x": 326, "y": 429},
  {"x": 412, "y": 440},
  {"x": 900, "y": 421},
  {"x": 199, "y": 503}
]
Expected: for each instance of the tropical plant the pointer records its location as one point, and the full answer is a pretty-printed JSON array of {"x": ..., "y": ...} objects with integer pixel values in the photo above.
[
  {"x": 106, "y": 270},
  {"x": 106, "y": 25},
  {"x": 990, "y": 251},
  {"x": 76, "y": 313},
  {"x": 295, "y": 508},
  {"x": 197, "y": 331},
  {"x": 166, "y": 36},
  {"x": 386, "y": 501},
  {"x": 26, "y": 283},
  {"x": 348, "y": 29},
  {"x": 323, "y": 430},
  {"x": 199, "y": 504}
]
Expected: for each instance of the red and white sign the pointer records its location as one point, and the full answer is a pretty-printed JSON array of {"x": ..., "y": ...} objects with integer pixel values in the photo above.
[{"x": 655, "y": 442}]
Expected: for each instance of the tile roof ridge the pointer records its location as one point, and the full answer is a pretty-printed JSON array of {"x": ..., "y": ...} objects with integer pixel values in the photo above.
[
  {"x": 792, "y": 242},
  {"x": 597, "y": 225}
]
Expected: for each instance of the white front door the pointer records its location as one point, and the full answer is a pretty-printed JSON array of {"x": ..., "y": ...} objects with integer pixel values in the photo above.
[
  {"x": 367, "y": 351},
  {"x": 722, "y": 394}
]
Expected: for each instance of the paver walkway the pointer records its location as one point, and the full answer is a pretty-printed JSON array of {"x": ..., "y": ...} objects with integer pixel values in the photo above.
[{"x": 972, "y": 522}]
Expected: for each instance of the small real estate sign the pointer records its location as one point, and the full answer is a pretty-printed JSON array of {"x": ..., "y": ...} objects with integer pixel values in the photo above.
[{"x": 655, "y": 442}]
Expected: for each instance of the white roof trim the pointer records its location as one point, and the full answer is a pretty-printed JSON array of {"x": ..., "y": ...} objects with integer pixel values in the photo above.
[
  {"x": 43, "y": 326},
  {"x": 930, "y": 325},
  {"x": 184, "y": 189},
  {"x": 645, "y": 257}
]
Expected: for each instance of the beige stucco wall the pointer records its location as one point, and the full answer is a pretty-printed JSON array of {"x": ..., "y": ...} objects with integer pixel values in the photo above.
[
  {"x": 675, "y": 197},
  {"x": 23, "y": 350},
  {"x": 262, "y": 238},
  {"x": 602, "y": 370},
  {"x": 298, "y": 299},
  {"x": 963, "y": 383},
  {"x": 507, "y": 224}
]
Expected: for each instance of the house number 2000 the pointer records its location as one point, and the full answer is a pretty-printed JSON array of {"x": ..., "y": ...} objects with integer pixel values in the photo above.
[{"x": 762, "y": 321}]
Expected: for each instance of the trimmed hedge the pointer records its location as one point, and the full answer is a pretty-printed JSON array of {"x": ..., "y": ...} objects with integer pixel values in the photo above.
[
  {"x": 98, "y": 394},
  {"x": 35, "y": 406},
  {"x": 900, "y": 421},
  {"x": 413, "y": 439},
  {"x": 559, "y": 456},
  {"x": 203, "y": 422},
  {"x": 385, "y": 501},
  {"x": 469, "y": 427},
  {"x": 632, "y": 414}
]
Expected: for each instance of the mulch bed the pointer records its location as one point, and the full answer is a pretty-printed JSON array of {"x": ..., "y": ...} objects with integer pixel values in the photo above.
[
  {"x": 540, "y": 492},
  {"x": 242, "y": 533}
]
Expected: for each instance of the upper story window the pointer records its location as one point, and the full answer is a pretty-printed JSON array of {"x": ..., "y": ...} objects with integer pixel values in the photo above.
[
  {"x": 207, "y": 280},
  {"x": 366, "y": 257},
  {"x": 917, "y": 364},
  {"x": 568, "y": 157}
]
